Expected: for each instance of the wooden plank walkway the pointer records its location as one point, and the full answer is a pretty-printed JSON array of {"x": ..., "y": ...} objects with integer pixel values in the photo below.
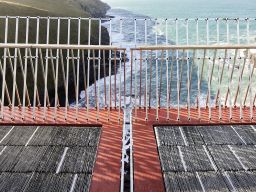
[
  {"x": 106, "y": 174},
  {"x": 147, "y": 168}
]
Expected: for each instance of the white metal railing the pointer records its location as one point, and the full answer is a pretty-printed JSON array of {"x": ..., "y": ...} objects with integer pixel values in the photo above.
[
  {"x": 194, "y": 76},
  {"x": 135, "y": 30},
  {"x": 52, "y": 76},
  {"x": 42, "y": 42}
]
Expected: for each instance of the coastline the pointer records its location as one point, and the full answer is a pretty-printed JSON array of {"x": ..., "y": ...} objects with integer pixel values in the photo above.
[{"x": 33, "y": 8}]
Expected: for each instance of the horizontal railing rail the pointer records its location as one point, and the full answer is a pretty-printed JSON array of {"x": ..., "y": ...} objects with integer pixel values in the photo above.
[
  {"x": 191, "y": 47},
  {"x": 60, "y": 46}
]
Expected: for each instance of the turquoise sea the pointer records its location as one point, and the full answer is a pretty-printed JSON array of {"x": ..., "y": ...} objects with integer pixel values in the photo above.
[
  {"x": 187, "y": 8},
  {"x": 126, "y": 32}
]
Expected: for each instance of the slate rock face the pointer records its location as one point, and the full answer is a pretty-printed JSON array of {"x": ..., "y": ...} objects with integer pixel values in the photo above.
[
  {"x": 207, "y": 158},
  {"x": 47, "y": 158}
]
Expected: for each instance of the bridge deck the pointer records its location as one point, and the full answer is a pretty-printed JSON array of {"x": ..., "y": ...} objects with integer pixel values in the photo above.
[
  {"x": 106, "y": 172},
  {"x": 148, "y": 174},
  {"x": 147, "y": 167}
]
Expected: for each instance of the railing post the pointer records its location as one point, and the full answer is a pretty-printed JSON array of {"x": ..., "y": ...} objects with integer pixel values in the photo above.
[
  {"x": 46, "y": 68},
  {"x": 36, "y": 68},
  {"x": 67, "y": 73},
  {"x": 88, "y": 69},
  {"x": 4, "y": 69},
  {"x": 78, "y": 67},
  {"x": 15, "y": 68},
  {"x": 167, "y": 72},
  {"x": 57, "y": 71}
]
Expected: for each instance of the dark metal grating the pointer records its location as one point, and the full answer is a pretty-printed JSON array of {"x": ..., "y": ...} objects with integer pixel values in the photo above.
[
  {"x": 47, "y": 158},
  {"x": 208, "y": 158}
]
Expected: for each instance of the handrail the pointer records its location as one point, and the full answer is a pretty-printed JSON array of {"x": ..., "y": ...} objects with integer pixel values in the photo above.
[
  {"x": 59, "y": 46},
  {"x": 171, "y": 47}
]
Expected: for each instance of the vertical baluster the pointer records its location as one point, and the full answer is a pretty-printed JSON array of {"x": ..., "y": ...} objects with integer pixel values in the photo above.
[
  {"x": 63, "y": 70},
  {"x": 191, "y": 70},
  {"x": 171, "y": 74},
  {"x": 135, "y": 85},
  {"x": 67, "y": 74},
  {"x": 131, "y": 74},
  {"x": 120, "y": 81},
  {"x": 140, "y": 74},
  {"x": 198, "y": 72},
  {"x": 110, "y": 63},
  {"x": 146, "y": 72},
  {"x": 150, "y": 78},
  {"x": 229, "y": 93},
  {"x": 115, "y": 62},
  {"x": 104, "y": 71},
  {"x": 57, "y": 71},
  {"x": 250, "y": 83},
  {"x": 202, "y": 71},
  {"x": 251, "y": 69},
  {"x": 15, "y": 68},
  {"x": 182, "y": 63},
  {"x": 94, "y": 78},
  {"x": 36, "y": 67},
  {"x": 120, "y": 75},
  {"x": 161, "y": 78},
  {"x": 208, "y": 104},
  {"x": 240, "y": 88},
  {"x": 84, "y": 74},
  {"x": 124, "y": 79},
  {"x": 4, "y": 68},
  {"x": 218, "y": 42},
  {"x": 157, "y": 96},
  {"x": 78, "y": 66},
  {"x": 188, "y": 71},
  {"x": 88, "y": 69},
  {"x": 26, "y": 69},
  {"x": 221, "y": 77},
  {"x": 167, "y": 70},
  {"x": 178, "y": 70},
  {"x": 99, "y": 58},
  {"x": 46, "y": 67},
  {"x": 135, "y": 67},
  {"x": 124, "y": 59},
  {"x": 219, "y": 84}
]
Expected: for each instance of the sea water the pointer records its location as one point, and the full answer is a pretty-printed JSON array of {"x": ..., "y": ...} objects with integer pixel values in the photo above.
[
  {"x": 126, "y": 32},
  {"x": 187, "y": 8}
]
